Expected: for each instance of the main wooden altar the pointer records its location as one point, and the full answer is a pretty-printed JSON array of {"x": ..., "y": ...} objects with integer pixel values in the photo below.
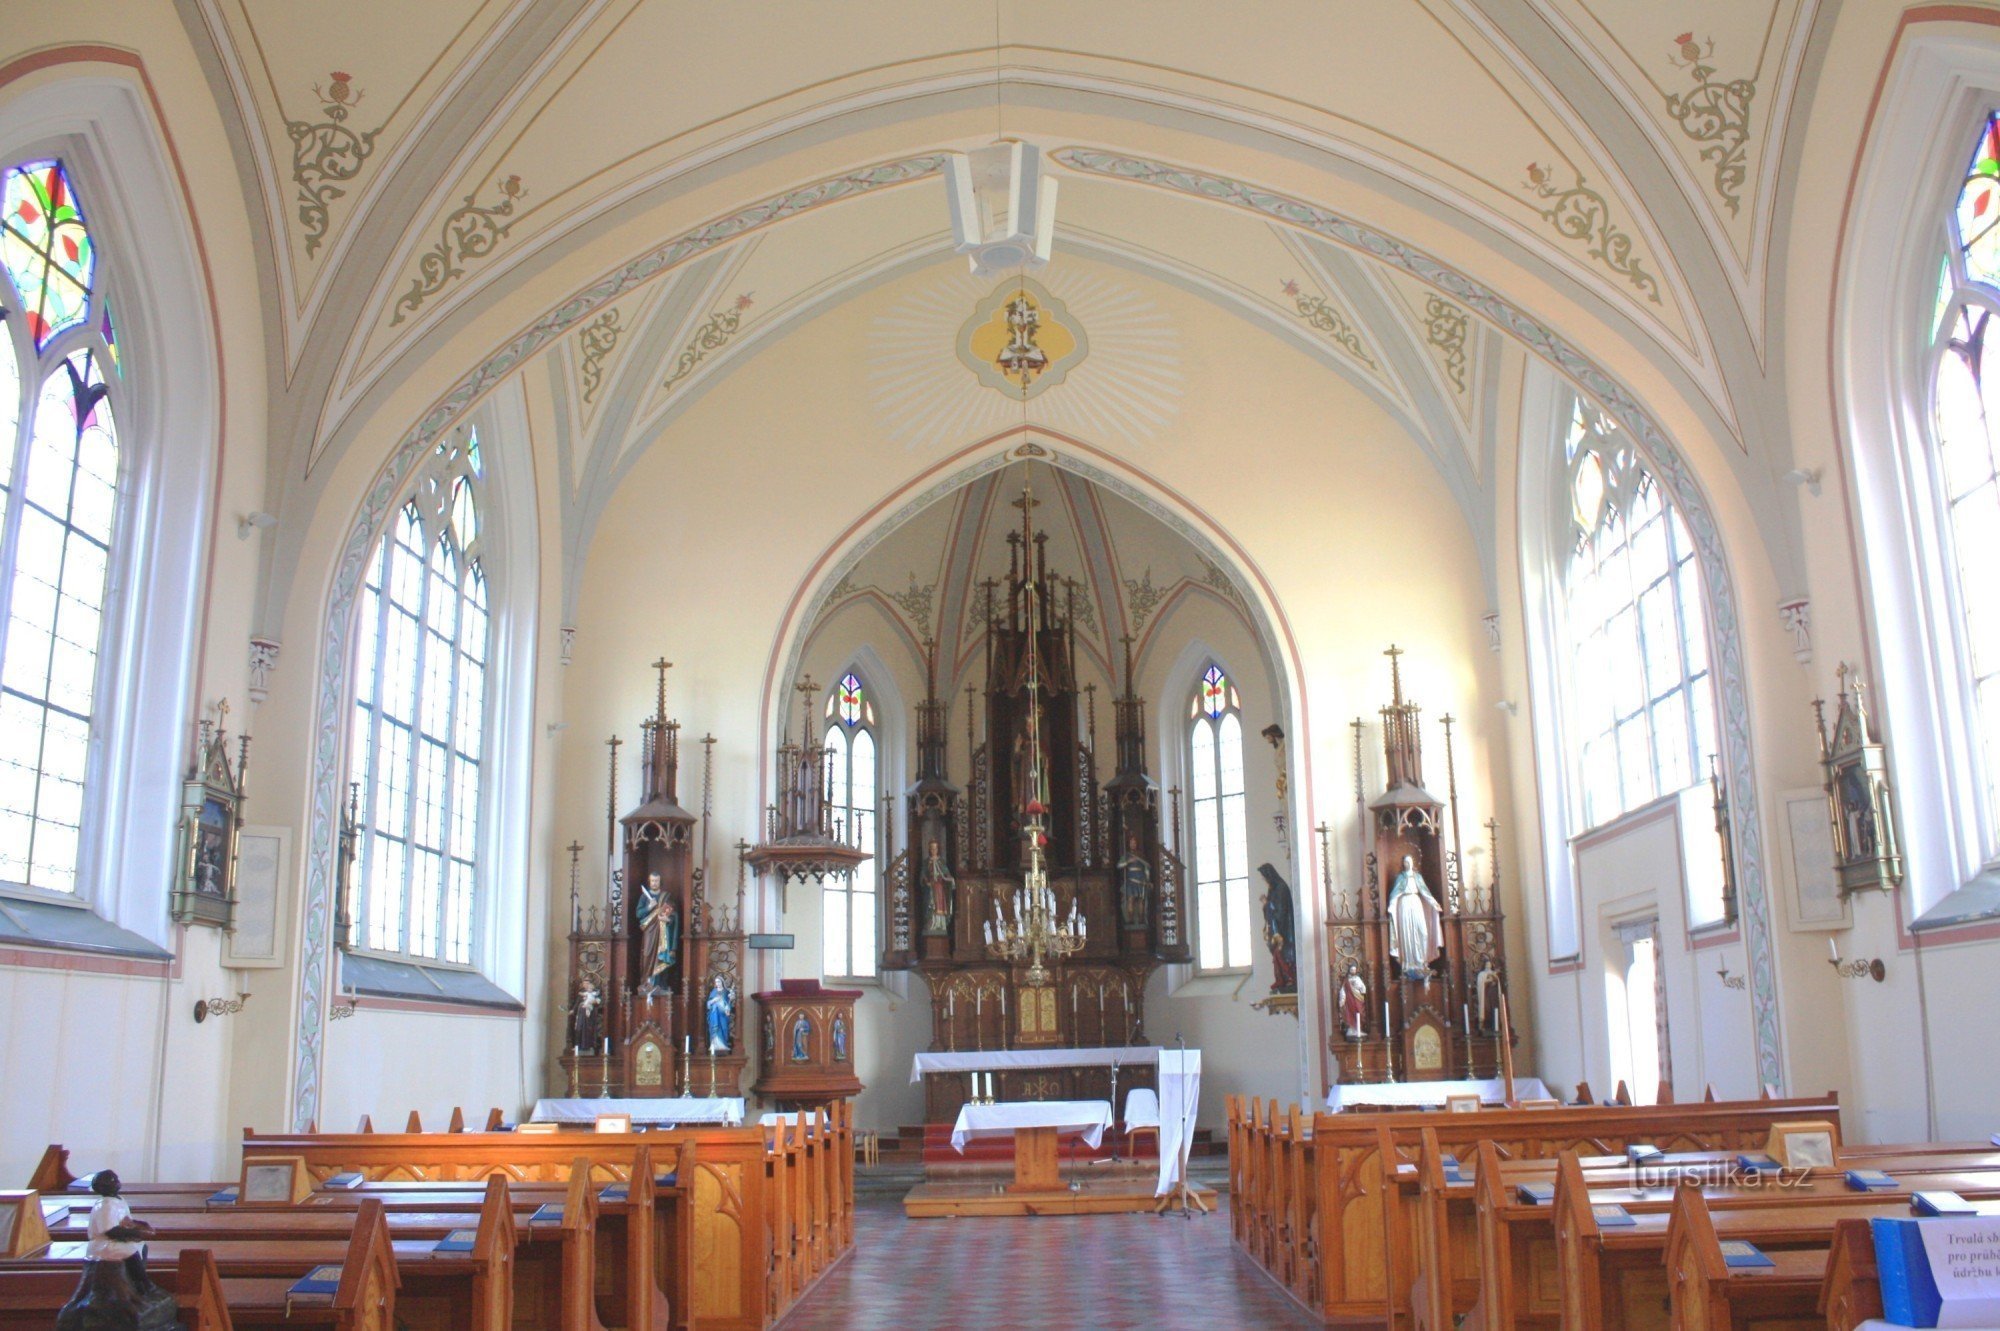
[{"x": 1032, "y": 771}]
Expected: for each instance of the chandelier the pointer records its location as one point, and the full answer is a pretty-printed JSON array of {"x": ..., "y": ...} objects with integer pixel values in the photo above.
[
  {"x": 1037, "y": 931},
  {"x": 1003, "y": 209}
]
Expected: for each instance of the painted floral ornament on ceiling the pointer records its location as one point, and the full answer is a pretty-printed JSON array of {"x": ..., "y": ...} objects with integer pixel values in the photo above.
[{"x": 1021, "y": 340}]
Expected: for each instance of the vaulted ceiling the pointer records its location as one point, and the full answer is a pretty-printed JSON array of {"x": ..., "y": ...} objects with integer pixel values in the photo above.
[{"x": 641, "y": 196}]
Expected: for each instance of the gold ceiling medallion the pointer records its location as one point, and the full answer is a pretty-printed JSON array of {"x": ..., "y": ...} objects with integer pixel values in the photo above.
[{"x": 1021, "y": 340}]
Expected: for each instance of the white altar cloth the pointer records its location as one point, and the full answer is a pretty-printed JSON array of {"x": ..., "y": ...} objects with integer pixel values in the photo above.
[
  {"x": 1086, "y": 1117},
  {"x": 1000, "y": 1060},
  {"x": 1180, "y": 1099},
  {"x": 722, "y": 1109},
  {"x": 1420, "y": 1094}
]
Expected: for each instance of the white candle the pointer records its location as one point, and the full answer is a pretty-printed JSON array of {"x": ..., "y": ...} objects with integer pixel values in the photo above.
[
  {"x": 1466, "y": 1009},
  {"x": 607, "y": 1046},
  {"x": 1832, "y": 947},
  {"x": 1385, "y": 1018}
]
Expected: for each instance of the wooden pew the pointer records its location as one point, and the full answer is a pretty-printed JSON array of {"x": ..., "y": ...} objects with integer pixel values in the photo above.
[
  {"x": 631, "y": 1269},
  {"x": 1363, "y": 1232},
  {"x": 1852, "y": 1293},
  {"x": 32, "y": 1298},
  {"x": 240, "y": 1285},
  {"x": 1709, "y": 1295}
]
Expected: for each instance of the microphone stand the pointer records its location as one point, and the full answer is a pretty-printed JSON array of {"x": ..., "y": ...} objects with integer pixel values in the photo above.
[{"x": 1180, "y": 1194}]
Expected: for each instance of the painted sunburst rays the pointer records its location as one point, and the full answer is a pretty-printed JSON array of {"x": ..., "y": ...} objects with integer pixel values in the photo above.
[{"x": 1126, "y": 387}]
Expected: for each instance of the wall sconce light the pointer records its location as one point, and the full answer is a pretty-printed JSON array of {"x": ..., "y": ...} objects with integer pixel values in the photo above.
[
  {"x": 1731, "y": 981},
  {"x": 346, "y": 1008},
  {"x": 204, "y": 1008},
  {"x": 1854, "y": 970},
  {"x": 250, "y": 522}
]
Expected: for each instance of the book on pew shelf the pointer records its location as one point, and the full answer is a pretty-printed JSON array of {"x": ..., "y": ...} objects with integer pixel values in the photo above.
[
  {"x": 1909, "y": 1294},
  {"x": 548, "y": 1213},
  {"x": 1640, "y": 1153},
  {"x": 667, "y": 1180},
  {"x": 227, "y": 1197},
  {"x": 459, "y": 1240},
  {"x": 1869, "y": 1180},
  {"x": 1536, "y": 1194},
  {"x": 352, "y": 1178},
  {"x": 1611, "y": 1215},
  {"x": 1941, "y": 1203},
  {"x": 615, "y": 1192},
  {"x": 1758, "y": 1163},
  {"x": 1453, "y": 1171},
  {"x": 319, "y": 1280},
  {"x": 1737, "y": 1254}
]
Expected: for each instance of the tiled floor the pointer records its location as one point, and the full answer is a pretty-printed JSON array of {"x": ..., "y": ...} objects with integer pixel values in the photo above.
[{"x": 1078, "y": 1273}]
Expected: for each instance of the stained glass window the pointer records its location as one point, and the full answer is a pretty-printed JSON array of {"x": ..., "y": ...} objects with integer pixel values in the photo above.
[
  {"x": 1965, "y": 460},
  {"x": 848, "y": 942},
  {"x": 46, "y": 249},
  {"x": 59, "y": 475},
  {"x": 1641, "y": 698},
  {"x": 419, "y": 715},
  {"x": 1220, "y": 825},
  {"x": 850, "y": 704}
]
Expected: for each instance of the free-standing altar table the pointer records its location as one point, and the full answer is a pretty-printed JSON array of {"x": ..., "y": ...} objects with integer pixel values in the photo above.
[
  {"x": 1036, "y": 1128},
  {"x": 1428, "y": 1094},
  {"x": 651, "y": 1112}
]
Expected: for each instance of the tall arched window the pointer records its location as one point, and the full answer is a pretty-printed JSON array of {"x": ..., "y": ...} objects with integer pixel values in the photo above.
[
  {"x": 1964, "y": 467},
  {"x": 419, "y": 714},
  {"x": 1220, "y": 825},
  {"x": 59, "y": 474},
  {"x": 847, "y": 905},
  {"x": 1642, "y": 712}
]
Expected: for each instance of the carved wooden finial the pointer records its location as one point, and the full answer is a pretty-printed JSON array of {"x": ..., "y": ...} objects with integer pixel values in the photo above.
[{"x": 663, "y": 665}]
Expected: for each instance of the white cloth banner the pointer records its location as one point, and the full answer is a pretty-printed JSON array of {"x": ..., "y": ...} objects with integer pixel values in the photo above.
[
  {"x": 1000, "y": 1060},
  {"x": 1180, "y": 1100},
  {"x": 1418, "y": 1094},
  {"x": 1088, "y": 1118},
  {"x": 724, "y": 1110}
]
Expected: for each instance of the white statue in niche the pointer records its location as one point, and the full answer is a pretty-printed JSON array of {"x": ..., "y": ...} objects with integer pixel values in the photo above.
[{"x": 1416, "y": 929}]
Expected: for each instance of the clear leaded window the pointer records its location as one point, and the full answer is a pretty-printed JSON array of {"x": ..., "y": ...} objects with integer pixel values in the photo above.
[
  {"x": 419, "y": 714},
  {"x": 847, "y": 905},
  {"x": 59, "y": 485},
  {"x": 1220, "y": 825},
  {"x": 1642, "y": 704},
  {"x": 1965, "y": 463}
]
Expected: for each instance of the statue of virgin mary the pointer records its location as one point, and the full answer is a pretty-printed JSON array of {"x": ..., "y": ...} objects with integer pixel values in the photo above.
[{"x": 1416, "y": 931}]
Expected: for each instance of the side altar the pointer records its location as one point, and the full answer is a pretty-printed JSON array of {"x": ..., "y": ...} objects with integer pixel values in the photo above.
[
  {"x": 1418, "y": 952},
  {"x": 1034, "y": 900},
  {"x": 654, "y": 994}
]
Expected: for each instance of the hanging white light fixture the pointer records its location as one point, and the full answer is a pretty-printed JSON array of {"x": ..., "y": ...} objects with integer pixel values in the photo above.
[{"x": 1003, "y": 209}]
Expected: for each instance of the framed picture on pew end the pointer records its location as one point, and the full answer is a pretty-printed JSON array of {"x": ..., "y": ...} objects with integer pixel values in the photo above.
[
  {"x": 1802, "y": 1145},
  {"x": 23, "y": 1233},
  {"x": 273, "y": 1180},
  {"x": 1468, "y": 1103},
  {"x": 618, "y": 1123}
]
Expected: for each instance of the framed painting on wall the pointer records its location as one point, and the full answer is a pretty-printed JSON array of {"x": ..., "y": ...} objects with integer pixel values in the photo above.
[{"x": 1818, "y": 904}]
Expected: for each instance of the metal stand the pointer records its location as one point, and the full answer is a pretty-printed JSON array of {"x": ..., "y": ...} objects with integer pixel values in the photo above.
[
  {"x": 1114, "y": 1111},
  {"x": 1181, "y": 1195}
]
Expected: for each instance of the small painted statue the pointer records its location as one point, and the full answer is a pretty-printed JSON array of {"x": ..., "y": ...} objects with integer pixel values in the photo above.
[
  {"x": 801, "y": 1030},
  {"x": 721, "y": 1017},
  {"x": 839, "y": 1038},
  {"x": 1354, "y": 1003},
  {"x": 939, "y": 888},
  {"x": 1135, "y": 884},
  {"x": 115, "y": 1293}
]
